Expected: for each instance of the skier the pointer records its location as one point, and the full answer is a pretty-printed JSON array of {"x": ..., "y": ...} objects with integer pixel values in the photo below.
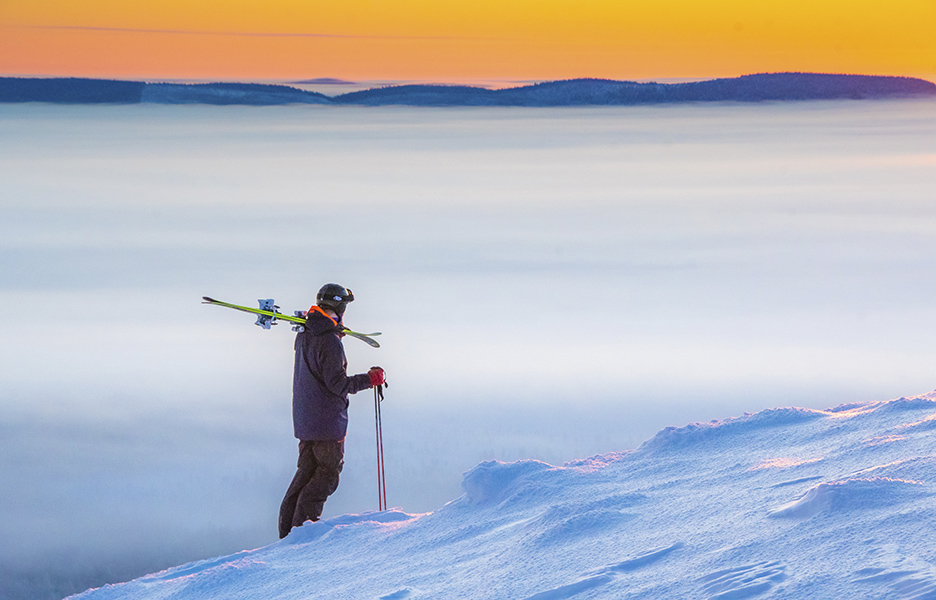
[{"x": 320, "y": 407}]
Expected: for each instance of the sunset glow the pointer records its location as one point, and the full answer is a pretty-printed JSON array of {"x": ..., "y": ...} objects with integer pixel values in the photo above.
[{"x": 456, "y": 39}]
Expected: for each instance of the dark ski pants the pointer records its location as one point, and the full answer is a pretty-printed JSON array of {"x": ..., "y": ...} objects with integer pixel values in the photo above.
[{"x": 320, "y": 463}]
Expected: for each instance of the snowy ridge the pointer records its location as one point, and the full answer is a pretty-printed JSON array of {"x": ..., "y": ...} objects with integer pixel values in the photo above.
[
  {"x": 675, "y": 438},
  {"x": 785, "y": 503}
]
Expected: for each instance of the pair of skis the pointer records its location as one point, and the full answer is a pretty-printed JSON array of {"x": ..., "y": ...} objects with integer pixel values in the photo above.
[{"x": 268, "y": 315}]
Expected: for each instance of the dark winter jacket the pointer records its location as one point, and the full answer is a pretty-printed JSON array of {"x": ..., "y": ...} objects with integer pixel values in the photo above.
[{"x": 320, "y": 381}]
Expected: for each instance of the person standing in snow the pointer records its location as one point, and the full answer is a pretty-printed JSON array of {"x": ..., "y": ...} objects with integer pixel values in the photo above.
[{"x": 321, "y": 386}]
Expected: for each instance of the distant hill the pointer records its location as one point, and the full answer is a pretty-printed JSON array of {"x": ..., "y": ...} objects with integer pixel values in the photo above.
[
  {"x": 574, "y": 92},
  {"x": 229, "y": 93},
  {"x": 581, "y": 92},
  {"x": 102, "y": 91},
  {"x": 70, "y": 90}
]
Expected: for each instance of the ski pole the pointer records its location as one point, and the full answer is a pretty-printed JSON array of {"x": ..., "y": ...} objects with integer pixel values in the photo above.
[
  {"x": 381, "y": 468},
  {"x": 383, "y": 461}
]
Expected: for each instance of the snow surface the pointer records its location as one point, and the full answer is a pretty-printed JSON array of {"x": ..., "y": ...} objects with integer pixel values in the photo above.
[{"x": 784, "y": 503}]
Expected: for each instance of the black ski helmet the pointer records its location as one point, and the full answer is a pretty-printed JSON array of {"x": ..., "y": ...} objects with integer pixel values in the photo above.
[{"x": 335, "y": 297}]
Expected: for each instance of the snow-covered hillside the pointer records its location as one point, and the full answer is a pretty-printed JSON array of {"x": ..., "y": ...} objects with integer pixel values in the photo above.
[{"x": 786, "y": 503}]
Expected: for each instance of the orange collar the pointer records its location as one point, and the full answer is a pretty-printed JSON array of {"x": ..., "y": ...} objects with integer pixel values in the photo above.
[{"x": 318, "y": 309}]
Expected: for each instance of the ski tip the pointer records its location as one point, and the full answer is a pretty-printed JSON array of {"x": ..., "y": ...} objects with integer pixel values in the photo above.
[
  {"x": 363, "y": 337},
  {"x": 207, "y": 300}
]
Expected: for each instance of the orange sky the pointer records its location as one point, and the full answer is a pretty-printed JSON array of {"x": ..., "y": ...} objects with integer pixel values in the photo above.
[{"x": 448, "y": 40}]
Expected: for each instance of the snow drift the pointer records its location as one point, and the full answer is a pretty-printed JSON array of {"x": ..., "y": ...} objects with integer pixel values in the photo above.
[{"x": 785, "y": 503}]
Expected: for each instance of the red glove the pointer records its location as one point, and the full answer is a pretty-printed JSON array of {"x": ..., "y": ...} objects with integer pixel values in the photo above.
[{"x": 377, "y": 376}]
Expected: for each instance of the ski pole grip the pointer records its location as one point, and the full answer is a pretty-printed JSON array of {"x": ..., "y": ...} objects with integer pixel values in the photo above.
[{"x": 382, "y": 377}]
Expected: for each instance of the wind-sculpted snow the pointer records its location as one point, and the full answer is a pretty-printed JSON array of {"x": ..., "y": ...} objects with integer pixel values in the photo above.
[
  {"x": 745, "y": 581},
  {"x": 786, "y": 503},
  {"x": 492, "y": 481},
  {"x": 851, "y": 494},
  {"x": 677, "y": 438}
]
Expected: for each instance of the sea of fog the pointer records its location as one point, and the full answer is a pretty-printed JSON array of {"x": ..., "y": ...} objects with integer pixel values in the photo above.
[{"x": 550, "y": 284}]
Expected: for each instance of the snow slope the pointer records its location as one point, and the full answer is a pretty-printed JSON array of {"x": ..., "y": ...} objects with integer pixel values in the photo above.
[{"x": 785, "y": 503}]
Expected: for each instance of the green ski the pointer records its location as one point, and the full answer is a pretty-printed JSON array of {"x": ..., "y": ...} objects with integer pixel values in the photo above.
[{"x": 268, "y": 315}]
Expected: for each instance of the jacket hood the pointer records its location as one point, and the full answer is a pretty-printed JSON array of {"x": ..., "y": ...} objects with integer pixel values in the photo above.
[{"x": 318, "y": 322}]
